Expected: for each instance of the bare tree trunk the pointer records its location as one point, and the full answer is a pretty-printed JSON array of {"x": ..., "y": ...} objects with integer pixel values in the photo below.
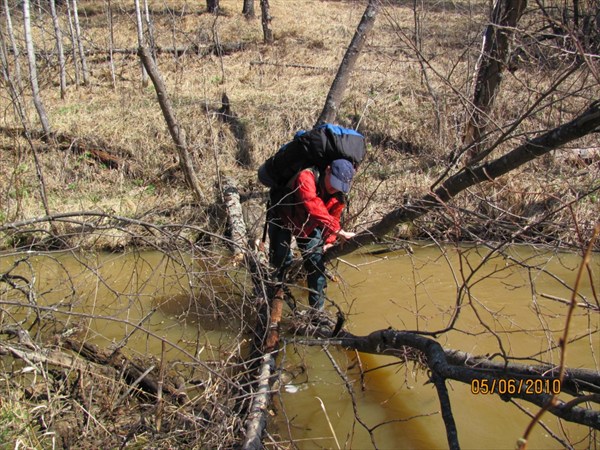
[
  {"x": 336, "y": 92},
  {"x": 73, "y": 44},
  {"x": 492, "y": 61},
  {"x": 84, "y": 68},
  {"x": 111, "y": 44},
  {"x": 11, "y": 85},
  {"x": 150, "y": 29},
  {"x": 177, "y": 133},
  {"x": 15, "y": 97},
  {"x": 13, "y": 45},
  {"x": 248, "y": 9},
  {"x": 266, "y": 22},
  {"x": 37, "y": 100},
  {"x": 59, "y": 50},
  {"x": 586, "y": 123},
  {"x": 140, "y": 35},
  {"x": 212, "y": 6}
]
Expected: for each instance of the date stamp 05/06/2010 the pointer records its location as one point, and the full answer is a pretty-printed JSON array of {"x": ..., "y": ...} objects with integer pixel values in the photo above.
[{"x": 514, "y": 386}]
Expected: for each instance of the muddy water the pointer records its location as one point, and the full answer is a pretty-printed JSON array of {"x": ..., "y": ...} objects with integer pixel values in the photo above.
[
  {"x": 506, "y": 309},
  {"x": 521, "y": 308}
]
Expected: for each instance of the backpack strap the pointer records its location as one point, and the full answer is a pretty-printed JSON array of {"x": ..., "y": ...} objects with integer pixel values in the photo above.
[{"x": 315, "y": 171}]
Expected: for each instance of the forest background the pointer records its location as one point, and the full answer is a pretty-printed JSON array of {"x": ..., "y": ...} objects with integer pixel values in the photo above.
[{"x": 90, "y": 163}]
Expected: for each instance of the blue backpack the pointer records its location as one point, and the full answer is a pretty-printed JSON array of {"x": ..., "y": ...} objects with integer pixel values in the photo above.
[{"x": 314, "y": 148}]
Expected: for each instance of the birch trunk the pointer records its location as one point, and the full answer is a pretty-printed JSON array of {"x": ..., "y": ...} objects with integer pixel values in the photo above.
[
  {"x": 16, "y": 99},
  {"x": 59, "y": 49},
  {"x": 37, "y": 100},
  {"x": 336, "y": 92},
  {"x": 13, "y": 90},
  {"x": 73, "y": 44},
  {"x": 235, "y": 217},
  {"x": 84, "y": 68}
]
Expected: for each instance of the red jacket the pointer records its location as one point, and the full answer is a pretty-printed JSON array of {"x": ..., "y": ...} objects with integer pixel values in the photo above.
[{"x": 312, "y": 207}]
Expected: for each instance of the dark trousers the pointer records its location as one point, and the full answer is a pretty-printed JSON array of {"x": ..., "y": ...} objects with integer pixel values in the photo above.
[{"x": 311, "y": 248}]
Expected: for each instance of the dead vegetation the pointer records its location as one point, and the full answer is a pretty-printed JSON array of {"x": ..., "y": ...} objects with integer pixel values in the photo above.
[{"x": 113, "y": 183}]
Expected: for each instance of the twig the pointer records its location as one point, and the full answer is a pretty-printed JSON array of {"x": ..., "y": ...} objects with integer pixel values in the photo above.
[
  {"x": 354, "y": 266},
  {"x": 329, "y": 423},
  {"x": 133, "y": 386},
  {"x": 351, "y": 392},
  {"x": 553, "y": 400}
]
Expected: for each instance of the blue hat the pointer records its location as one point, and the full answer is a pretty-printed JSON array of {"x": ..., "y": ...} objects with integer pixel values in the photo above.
[{"x": 342, "y": 172}]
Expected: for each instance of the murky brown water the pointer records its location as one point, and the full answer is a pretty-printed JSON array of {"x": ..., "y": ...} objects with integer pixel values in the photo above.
[
  {"x": 520, "y": 306},
  {"x": 419, "y": 291}
]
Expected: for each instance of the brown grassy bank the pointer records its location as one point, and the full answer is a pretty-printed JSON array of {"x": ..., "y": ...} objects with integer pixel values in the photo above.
[{"x": 410, "y": 109}]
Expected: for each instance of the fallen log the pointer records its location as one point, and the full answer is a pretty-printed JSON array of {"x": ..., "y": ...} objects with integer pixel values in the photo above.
[
  {"x": 94, "y": 148},
  {"x": 235, "y": 218},
  {"x": 55, "y": 357},
  {"x": 266, "y": 331},
  {"x": 133, "y": 373},
  {"x": 194, "y": 49}
]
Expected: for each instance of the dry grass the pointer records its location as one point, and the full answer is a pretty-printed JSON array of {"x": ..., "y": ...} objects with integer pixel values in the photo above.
[{"x": 414, "y": 121}]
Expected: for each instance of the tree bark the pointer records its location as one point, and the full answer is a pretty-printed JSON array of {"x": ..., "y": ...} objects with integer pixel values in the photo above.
[
  {"x": 73, "y": 43},
  {"x": 266, "y": 21},
  {"x": 265, "y": 343},
  {"x": 248, "y": 9},
  {"x": 37, "y": 100},
  {"x": 492, "y": 61},
  {"x": 111, "y": 43},
  {"x": 235, "y": 217},
  {"x": 257, "y": 422},
  {"x": 150, "y": 29},
  {"x": 177, "y": 133},
  {"x": 140, "y": 36},
  {"x": 84, "y": 67},
  {"x": 15, "y": 50},
  {"x": 20, "y": 112},
  {"x": 212, "y": 6},
  {"x": 336, "y": 92},
  {"x": 59, "y": 49},
  {"x": 584, "y": 124}
]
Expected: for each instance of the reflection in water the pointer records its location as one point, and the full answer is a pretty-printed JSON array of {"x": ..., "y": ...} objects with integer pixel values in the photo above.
[{"x": 502, "y": 309}]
